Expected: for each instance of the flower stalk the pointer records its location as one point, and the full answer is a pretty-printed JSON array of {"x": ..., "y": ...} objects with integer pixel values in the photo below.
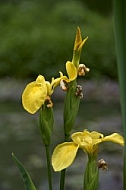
[
  {"x": 49, "y": 167},
  {"x": 71, "y": 106},
  {"x": 91, "y": 174},
  {"x": 72, "y": 99},
  {"x": 46, "y": 122}
]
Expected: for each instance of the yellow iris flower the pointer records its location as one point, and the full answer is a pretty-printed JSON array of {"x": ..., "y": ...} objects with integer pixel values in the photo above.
[
  {"x": 34, "y": 95},
  {"x": 36, "y": 92},
  {"x": 65, "y": 153},
  {"x": 71, "y": 72}
]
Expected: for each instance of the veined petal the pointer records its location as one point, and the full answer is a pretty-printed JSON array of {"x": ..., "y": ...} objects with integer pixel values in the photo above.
[
  {"x": 87, "y": 141},
  {"x": 96, "y": 137},
  {"x": 34, "y": 95},
  {"x": 71, "y": 70},
  {"x": 78, "y": 138},
  {"x": 115, "y": 137},
  {"x": 84, "y": 141},
  {"x": 63, "y": 155}
]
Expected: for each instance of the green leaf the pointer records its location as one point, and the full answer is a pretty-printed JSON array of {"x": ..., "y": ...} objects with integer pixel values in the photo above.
[
  {"x": 71, "y": 107},
  {"x": 26, "y": 178},
  {"x": 46, "y": 122},
  {"x": 119, "y": 15}
]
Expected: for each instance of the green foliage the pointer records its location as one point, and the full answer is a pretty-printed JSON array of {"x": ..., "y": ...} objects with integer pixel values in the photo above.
[
  {"x": 71, "y": 107},
  {"x": 27, "y": 179},
  {"x": 38, "y": 39},
  {"x": 46, "y": 122}
]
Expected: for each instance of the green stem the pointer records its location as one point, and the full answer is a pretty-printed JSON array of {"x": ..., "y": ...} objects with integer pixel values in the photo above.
[
  {"x": 91, "y": 174},
  {"x": 62, "y": 179},
  {"x": 63, "y": 172},
  {"x": 119, "y": 13},
  {"x": 49, "y": 167}
]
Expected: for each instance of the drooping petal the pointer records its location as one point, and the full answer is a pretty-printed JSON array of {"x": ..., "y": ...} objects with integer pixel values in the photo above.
[
  {"x": 115, "y": 137},
  {"x": 34, "y": 95},
  {"x": 71, "y": 70},
  {"x": 89, "y": 141},
  {"x": 63, "y": 155}
]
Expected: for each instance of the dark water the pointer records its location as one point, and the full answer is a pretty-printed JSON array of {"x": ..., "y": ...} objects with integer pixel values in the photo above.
[{"x": 19, "y": 134}]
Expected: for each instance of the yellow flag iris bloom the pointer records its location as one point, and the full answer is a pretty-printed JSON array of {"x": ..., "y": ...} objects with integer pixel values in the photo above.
[
  {"x": 34, "y": 95},
  {"x": 65, "y": 153},
  {"x": 36, "y": 92}
]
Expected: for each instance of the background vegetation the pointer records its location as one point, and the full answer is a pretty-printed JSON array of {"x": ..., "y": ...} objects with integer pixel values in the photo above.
[{"x": 36, "y": 37}]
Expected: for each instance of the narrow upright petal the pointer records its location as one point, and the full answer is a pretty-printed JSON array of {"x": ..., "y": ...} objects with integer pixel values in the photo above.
[
  {"x": 83, "y": 140},
  {"x": 86, "y": 140},
  {"x": 63, "y": 155},
  {"x": 71, "y": 70}
]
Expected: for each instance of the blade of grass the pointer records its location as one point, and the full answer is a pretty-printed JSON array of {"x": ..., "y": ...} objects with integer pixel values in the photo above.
[
  {"x": 119, "y": 13},
  {"x": 26, "y": 177}
]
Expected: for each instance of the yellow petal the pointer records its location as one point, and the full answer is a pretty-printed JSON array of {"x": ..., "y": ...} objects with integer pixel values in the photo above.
[
  {"x": 96, "y": 137},
  {"x": 78, "y": 138},
  {"x": 84, "y": 141},
  {"x": 71, "y": 70},
  {"x": 49, "y": 88},
  {"x": 87, "y": 141},
  {"x": 115, "y": 137},
  {"x": 34, "y": 95},
  {"x": 55, "y": 82},
  {"x": 63, "y": 155}
]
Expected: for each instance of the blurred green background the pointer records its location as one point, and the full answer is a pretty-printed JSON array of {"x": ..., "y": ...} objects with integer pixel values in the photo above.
[{"x": 37, "y": 36}]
